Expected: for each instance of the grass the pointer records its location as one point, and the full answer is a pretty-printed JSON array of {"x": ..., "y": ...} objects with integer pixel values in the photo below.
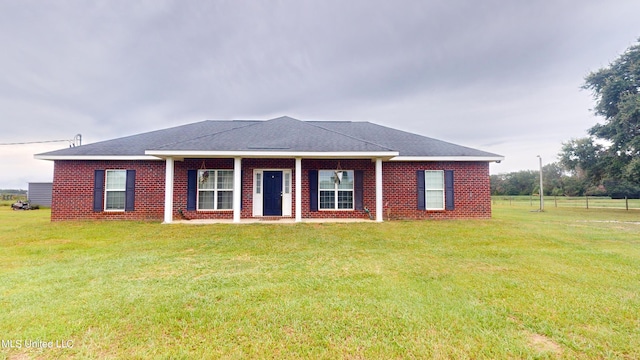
[{"x": 560, "y": 284}]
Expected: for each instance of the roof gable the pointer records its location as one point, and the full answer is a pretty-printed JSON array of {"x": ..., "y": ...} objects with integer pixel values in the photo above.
[{"x": 282, "y": 133}]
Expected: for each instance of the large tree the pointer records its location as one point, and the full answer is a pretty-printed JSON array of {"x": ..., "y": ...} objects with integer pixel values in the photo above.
[
  {"x": 612, "y": 152},
  {"x": 585, "y": 159}
]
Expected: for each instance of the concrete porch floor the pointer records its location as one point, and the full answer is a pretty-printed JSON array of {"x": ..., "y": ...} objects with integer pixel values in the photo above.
[{"x": 267, "y": 221}]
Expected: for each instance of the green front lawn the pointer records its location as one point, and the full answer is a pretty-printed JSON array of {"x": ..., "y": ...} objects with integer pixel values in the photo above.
[{"x": 559, "y": 284}]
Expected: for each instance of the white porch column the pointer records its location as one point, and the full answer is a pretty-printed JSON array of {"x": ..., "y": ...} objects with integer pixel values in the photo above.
[
  {"x": 237, "y": 188},
  {"x": 298, "y": 189},
  {"x": 379, "y": 216},
  {"x": 168, "y": 191}
]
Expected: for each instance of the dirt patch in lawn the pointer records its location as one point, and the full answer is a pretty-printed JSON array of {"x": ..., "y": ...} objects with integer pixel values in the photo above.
[{"x": 542, "y": 343}]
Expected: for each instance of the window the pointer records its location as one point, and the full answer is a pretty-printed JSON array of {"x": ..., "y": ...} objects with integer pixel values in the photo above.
[
  {"x": 434, "y": 189},
  {"x": 287, "y": 182},
  {"x": 115, "y": 190},
  {"x": 215, "y": 189},
  {"x": 335, "y": 194},
  {"x": 258, "y": 182}
]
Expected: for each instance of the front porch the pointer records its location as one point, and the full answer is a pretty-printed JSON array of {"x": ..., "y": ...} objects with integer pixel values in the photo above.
[{"x": 273, "y": 189}]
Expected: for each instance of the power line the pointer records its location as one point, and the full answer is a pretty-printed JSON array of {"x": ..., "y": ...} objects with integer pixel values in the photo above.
[
  {"x": 76, "y": 141},
  {"x": 34, "y": 142}
]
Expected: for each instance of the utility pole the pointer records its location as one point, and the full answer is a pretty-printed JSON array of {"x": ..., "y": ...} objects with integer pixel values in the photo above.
[{"x": 541, "y": 186}]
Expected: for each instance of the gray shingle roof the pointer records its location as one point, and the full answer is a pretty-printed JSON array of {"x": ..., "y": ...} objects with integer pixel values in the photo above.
[
  {"x": 282, "y": 134},
  {"x": 408, "y": 144},
  {"x": 136, "y": 145}
]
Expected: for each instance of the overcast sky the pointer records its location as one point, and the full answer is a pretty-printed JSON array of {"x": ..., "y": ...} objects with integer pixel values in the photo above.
[{"x": 501, "y": 76}]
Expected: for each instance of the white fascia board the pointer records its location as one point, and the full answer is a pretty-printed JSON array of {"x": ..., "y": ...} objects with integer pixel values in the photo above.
[
  {"x": 95, "y": 157},
  {"x": 448, "y": 158},
  {"x": 273, "y": 154}
]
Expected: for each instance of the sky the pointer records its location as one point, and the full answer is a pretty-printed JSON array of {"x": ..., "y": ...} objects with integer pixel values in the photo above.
[{"x": 500, "y": 76}]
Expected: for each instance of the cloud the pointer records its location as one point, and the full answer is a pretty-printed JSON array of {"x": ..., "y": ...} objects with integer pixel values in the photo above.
[{"x": 491, "y": 74}]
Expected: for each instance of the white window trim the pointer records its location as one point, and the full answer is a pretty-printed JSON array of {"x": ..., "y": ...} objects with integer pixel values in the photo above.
[
  {"x": 107, "y": 190},
  {"x": 215, "y": 190},
  {"x": 426, "y": 190},
  {"x": 335, "y": 193}
]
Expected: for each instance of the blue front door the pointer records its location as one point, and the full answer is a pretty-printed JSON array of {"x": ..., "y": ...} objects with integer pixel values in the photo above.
[{"x": 272, "y": 194}]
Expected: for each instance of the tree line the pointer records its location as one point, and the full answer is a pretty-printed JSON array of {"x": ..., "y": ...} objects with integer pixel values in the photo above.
[
  {"x": 607, "y": 161},
  {"x": 558, "y": 182}
]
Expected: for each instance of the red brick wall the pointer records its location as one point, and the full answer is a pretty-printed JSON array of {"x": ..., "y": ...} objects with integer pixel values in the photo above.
[
  {"x": 73, "y": 188},
  {"x": 180, "y": 188},
  {"x": 72, "y": 197},
  {"x": 369, "y": 194},
  {"x": 472, "y": 195}
]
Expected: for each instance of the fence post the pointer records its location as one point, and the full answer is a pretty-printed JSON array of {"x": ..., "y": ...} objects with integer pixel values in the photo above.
[
  {"x": 555, "y": 199},
  {"x": 626, "y": 202},
  {"x": 587, "y": 197}
]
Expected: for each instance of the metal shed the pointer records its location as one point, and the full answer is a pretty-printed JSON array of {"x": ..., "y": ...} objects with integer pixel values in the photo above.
[{"x": 40, "y": 193}]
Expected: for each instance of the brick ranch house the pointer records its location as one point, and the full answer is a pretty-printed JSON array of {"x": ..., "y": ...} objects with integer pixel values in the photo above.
[{"x": 279, "y": 168}]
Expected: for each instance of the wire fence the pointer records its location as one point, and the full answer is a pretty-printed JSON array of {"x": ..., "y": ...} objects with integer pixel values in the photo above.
[{"x": 584, "y": 202}]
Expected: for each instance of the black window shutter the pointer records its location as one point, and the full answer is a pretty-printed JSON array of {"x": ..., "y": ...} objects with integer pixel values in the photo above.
[
  {"x": 192, "y": 190},
  {"x": 313, "y": 190},
  {"x": 448, "y": 190},
  {"x": 421, "y": 194},
  {"x": 98, "y": 190},
  {"x": 359, "y": 189},
  {"x": 130, "y": 191}
]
